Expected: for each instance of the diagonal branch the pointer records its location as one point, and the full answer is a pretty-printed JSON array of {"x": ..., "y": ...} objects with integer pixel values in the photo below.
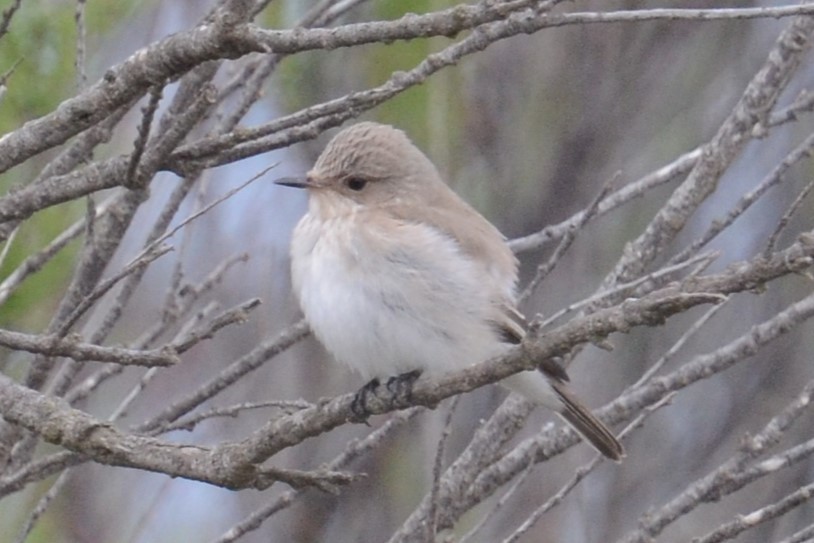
[
  {"x": 238, "y": 464},
  {"x": 750, "y": 113},
  {"x": 649, "y": 310}
]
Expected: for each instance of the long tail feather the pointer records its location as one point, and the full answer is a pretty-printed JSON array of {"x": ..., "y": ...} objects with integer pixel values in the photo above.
[{"x": 588, "y": 426}]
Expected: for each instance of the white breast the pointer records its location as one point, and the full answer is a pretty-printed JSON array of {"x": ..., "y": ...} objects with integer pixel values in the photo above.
[{"x": 388, "y": 301}]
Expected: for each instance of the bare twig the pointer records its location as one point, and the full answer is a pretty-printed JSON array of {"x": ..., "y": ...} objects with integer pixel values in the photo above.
[
  {"x": 784, "y": 220},
  {"x": 71, "y": 347},
  {"x": 483, "y": 449},
  {"x": 437, "y": 469},
  {"x": 806, "y": 535},
  {"x": 8, "y": 14},
  {"x": 716, "y": 14},
  {"x": 144, "y": 259},
  {"x": 673, "y": 350},
  {"x": 580, "y": 475},
  {"x": 727, "y": 477},
  {"x": 655, "y": 277},
  {"x": 79, "y": 63},
  {"x": 7, "y": 246},
  {"x": 151, "y": 335},
  {"x": 748, "y": 521},
  {"x": 758, "y": 99},
  {"x": 565, "y": 242},
  {"x": 354, "y": 450},
  {"x": 38, "y": 470},
  {"x": 247, "y": 363},
  {"x": 42, "y": 506},
  {"x": 775, "y": 177},
  {"x": 147, "y": 115},
  {"x": 236, "y": 315},
  {"x": 228, "y": 194},
  {"x": 189, "y": 423},
  {"x": 636, "y": 189}
]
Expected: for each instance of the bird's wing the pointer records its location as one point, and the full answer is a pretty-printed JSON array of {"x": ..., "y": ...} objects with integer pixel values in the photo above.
[
  {"x": 477, "y": 238},
  {"x": 485, "y": 245},
  {"x": 513, "y": 327}
]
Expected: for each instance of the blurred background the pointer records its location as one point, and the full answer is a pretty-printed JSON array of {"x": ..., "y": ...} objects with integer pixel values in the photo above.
[{"x": 527, "y": 131}]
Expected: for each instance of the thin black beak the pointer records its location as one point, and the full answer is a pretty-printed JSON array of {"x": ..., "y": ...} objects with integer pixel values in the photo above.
[{"x": 296, "y": 182}]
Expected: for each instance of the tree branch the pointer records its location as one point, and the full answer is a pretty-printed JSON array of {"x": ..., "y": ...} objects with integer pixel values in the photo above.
[{"x": 72, "y": 348}]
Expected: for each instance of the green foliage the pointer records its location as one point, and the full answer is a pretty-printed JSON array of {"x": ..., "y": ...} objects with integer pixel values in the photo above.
[
  {"x": 422, "y": 111},
  {"x": 30, "y": 305},
  {"x": 42, "y": 36},
  {"x": 44, "y": 74},
  {"x": 39, "y": 36},
  {"x": 419, "y": 109}
]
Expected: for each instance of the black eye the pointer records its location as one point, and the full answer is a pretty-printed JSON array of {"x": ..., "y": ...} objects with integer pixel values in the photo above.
[{"x": 355, "y": 183}]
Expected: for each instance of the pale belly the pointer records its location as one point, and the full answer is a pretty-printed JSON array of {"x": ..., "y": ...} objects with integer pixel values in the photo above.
[{"x": 387, "y": 313}]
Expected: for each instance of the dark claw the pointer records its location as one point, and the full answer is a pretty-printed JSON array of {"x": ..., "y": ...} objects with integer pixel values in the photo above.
[
  {"x": 401, "y": 386},
  {"x": 359, "y": 404}
]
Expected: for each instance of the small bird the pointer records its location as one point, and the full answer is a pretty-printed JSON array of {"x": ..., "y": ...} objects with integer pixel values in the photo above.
[{"x": 397, "y": 275}]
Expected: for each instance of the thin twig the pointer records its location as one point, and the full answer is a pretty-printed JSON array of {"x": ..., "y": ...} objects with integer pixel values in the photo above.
[
  {"x": 147, "y": 115},
  {"x": 629, "y": 192},
  {"x": 79, "y": 62},
  {"x": 209, "y": 206},
  {"x": 748, "y": 521},
  {"x": 519, "y": 481},
  {"x": 232, "y": 411},
  {"x": 8, "y": 243},
  {"x": 806, "y": 535},
  {"x": 246, "y": 364},
  {"x": 677, "y": 345},
  {"x": 42, "y": 506},
  {"x": 776, "y": 176},
  {"x": 236, "y": 315},
  {"x": 8, "y": 14},
  {"x": 71, "y": 347},
  {"x": 354, "y": 450},
  {"x": 724, "y": 479},
  {"x": 715, "y": 14},
  {"x": 144, "y": 259},
  {"x": 150, "y": 336},
  {"x": 38, "y": 470},
  {"x": 437, "y": 470},
  {"x": 804, "y": 103},
  {"x": 547, "y": 267},
  {"x": 784, "y": 220},
  {"x": 580, "y": 474},
  {"x": 623, "y": 288},
  {"x": 34, "y": 262}
]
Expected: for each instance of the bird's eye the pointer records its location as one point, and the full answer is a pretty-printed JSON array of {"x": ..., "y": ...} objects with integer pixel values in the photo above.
[{"x": 355, "y": 183}]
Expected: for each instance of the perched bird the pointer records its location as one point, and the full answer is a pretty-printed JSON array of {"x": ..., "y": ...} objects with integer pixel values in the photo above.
[{"x": 397, "y": 275}]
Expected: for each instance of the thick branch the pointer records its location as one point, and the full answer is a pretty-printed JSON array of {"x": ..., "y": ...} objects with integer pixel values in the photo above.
[
  {"x": 649, "y": 310},
  {"x": 237, "y": 465},
  {"x": 62, "y": 425},
  {"x": 150, "y": 66}
]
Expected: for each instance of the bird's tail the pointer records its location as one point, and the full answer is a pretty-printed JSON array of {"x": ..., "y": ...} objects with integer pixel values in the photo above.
[
  {"x": 588, "y": 426},
  {"x": 553, "y": 394}
]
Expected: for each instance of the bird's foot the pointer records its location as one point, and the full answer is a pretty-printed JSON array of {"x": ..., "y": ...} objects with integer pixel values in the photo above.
[
  {"x": 401, "y": 386},
  {"x": 359, "y": 406}
]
